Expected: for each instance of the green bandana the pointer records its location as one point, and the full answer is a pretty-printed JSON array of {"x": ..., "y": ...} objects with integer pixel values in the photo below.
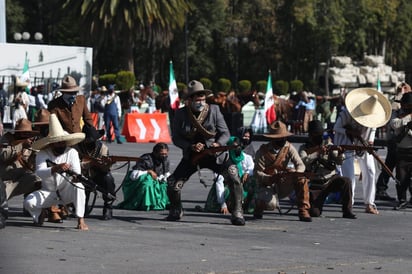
[{"x": 236, "y": 159}]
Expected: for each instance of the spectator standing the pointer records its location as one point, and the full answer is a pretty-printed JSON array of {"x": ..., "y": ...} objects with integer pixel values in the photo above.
[{"x": 112, "y": 114}]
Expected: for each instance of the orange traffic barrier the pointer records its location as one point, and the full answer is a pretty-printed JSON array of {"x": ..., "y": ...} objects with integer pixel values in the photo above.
[{"x": 145, "y": 127}]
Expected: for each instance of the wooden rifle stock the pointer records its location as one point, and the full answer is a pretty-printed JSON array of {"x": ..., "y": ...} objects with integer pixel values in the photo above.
[
  {"x": 197, "y": 156},
  {"x": 277, "y": 176},
  {"x": 116, "y": 158},
  {"x": 107, "y": 161}
]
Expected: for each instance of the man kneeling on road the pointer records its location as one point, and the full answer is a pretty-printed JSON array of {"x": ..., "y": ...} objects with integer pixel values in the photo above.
[
  {"x": 55, "y": 163},
  {"x": 273, "y": 176},
  {"x": 321, "y": 160}
]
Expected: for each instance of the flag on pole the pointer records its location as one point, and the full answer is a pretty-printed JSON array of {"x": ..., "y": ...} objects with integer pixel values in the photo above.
[
  {"x": 270, "y": 113},
  {"x": 378, "y": 84},
  {"x": 173, "y": 93},
  {"x": 25, "y": 76}
]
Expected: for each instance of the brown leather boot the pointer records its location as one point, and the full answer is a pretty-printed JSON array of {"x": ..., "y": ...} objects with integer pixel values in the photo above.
[{"x": 302, "y": 196}]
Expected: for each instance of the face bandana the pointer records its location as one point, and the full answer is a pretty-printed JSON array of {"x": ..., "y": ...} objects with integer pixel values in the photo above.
[
  {"x": 69, "y": 98},
  {"x": 198, "y": 106},
  {"x": 59, "y": 150}
]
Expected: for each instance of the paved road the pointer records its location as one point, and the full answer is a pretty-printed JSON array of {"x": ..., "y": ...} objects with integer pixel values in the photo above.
[{"x": 142, "y": 242}]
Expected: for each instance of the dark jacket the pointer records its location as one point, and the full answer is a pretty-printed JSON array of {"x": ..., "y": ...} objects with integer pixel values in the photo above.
[
  {"x": 214, "y": 122},
  {"x": 70, "y": 117}
]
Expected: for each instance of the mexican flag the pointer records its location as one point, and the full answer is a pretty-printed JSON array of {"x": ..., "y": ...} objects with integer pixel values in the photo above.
[
  {"x": 173, "y": 93},
  {"x": 270, "y": 113},
  {"x": 25, "y": 76},
  {"x": 378, "y": 84}
]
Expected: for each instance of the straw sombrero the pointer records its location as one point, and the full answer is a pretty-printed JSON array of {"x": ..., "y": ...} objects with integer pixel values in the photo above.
[
  {"x": 277, "y": 130},
  {"x": 57, "y": 134},
  {"x": 368, "y": 107}
]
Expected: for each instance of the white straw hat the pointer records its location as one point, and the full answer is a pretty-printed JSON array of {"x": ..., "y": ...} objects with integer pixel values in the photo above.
[
  {"x": 368, "y": 107},
  {"x": 57, "y": 134}
]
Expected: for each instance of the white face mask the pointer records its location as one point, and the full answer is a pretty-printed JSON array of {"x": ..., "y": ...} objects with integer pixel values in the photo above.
[{"x": 198, "y": 105}]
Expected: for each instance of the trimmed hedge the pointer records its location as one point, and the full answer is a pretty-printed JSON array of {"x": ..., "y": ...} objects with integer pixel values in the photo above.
[
  {"x": 125, "y": 80},
  {"x": 224, "y": 84},
  {"x": 207, "y": 83},
  {"x": 281, "y": 87},
  {"x": 296, "y": 85},
  {"x": 245, "y": 86}
]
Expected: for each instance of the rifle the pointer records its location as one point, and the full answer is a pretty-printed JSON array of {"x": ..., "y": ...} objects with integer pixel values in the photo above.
[
  {"x": 107, "y": 161},
  {"x": 278, "y": 176},
  {"x": 197, "y": 156},
  {"x": 342, "y": 148},
  {"x": 376, "y": 156},
  {"x": 87, "y": 182}
]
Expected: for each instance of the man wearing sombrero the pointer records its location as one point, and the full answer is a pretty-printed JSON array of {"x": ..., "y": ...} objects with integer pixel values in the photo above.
[
  {"x": 70, "y": 108},
  {"x": 365, "y": 110},
  {"x": 196, "y": 127},
  {"x": 54, "y": 162},
  {"x": 271, "y": 173}
]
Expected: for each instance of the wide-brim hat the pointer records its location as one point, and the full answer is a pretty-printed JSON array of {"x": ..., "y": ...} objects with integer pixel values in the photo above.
[
  {"x": 368, "y": 107},
  {"x": 315, "y": 127},
  {"x": 42, "y": 117},
  {"x": 277, "y": 130},
  {"x": 57, "y": 134},
  {"x": 69, "y": 84},
  {"x": 196, "y": 87},
  {"x": 22, "y": 131}
]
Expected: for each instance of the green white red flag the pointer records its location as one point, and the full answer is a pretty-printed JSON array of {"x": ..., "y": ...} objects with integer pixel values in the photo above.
[
  {"x": 173, "y": 92},
  {"x": 25, "y": 76},
  {"x": 270, "y": 113}
]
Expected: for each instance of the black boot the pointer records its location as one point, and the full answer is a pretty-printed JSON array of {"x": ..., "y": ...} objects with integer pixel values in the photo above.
[
  {"x": 175, "y": 210},
  {"x": 236, "y": 201},
  {"x": 107, "y": 212}
]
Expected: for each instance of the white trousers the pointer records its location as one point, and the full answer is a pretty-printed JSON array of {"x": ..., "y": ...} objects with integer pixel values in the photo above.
[
  {"x": 367, "y": 167},
  {"x": 36, "y": 201}
]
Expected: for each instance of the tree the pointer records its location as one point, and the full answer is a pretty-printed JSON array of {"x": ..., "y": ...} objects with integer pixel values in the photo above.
[{"x": 124, "y": 22}]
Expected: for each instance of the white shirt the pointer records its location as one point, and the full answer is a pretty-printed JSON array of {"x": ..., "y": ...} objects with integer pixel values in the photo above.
[
  {"x": 116, "y": 101},
  {"x": 19, "y": 113},
  {"x": 53, "y": 182},
  {"x": 247, "y": 165}
]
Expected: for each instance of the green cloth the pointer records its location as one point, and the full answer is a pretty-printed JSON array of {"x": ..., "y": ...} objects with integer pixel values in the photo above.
[
  {"x": 211, "y": 202},
  {"x": 145, "y": 193},
  {"x": 236, "y": 159}
]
